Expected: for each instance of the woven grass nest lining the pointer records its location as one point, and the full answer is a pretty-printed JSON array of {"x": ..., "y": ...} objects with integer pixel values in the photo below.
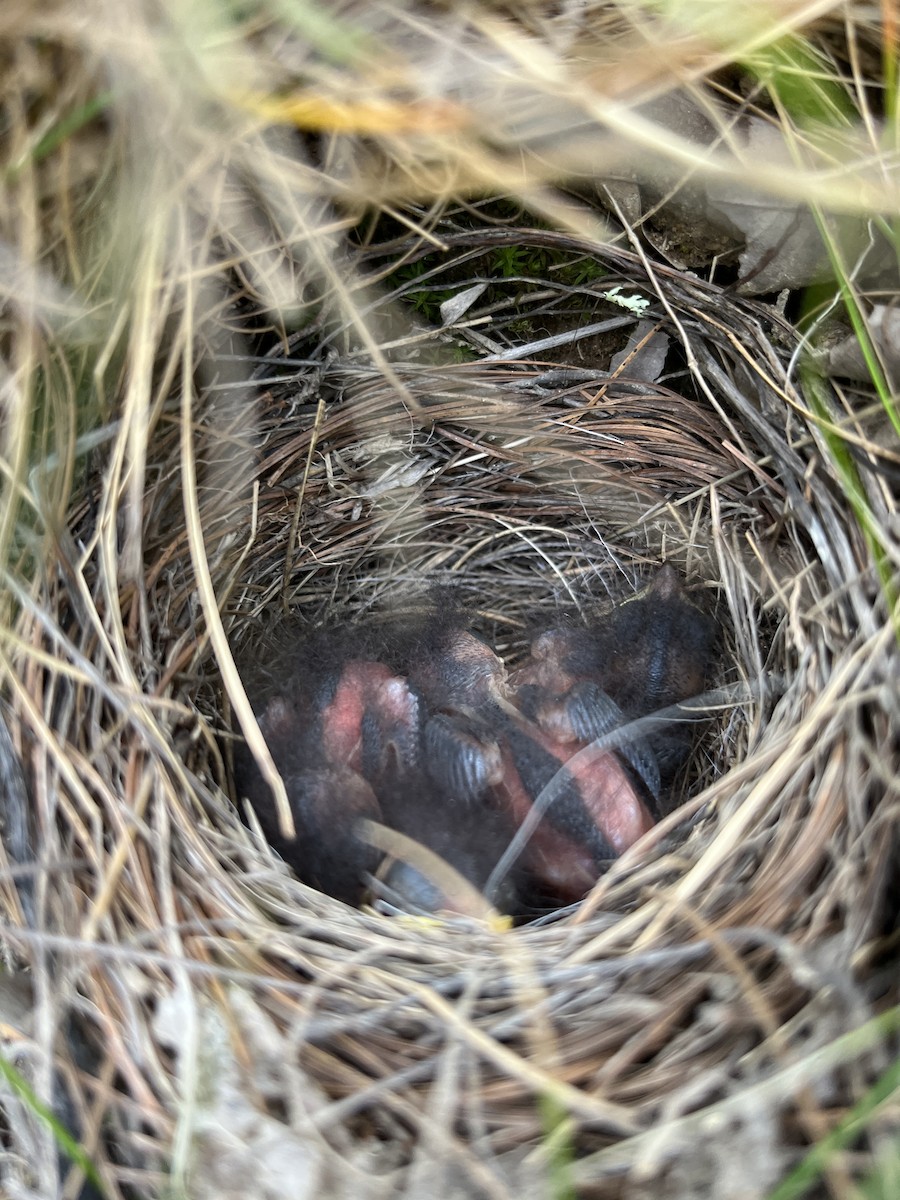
[{"x": 710, "y": 957}]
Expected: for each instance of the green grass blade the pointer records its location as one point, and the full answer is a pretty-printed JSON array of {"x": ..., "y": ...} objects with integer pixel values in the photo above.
[
  {"x": 802, "y": 1178},
  {"x": 64, "y": 1139}
]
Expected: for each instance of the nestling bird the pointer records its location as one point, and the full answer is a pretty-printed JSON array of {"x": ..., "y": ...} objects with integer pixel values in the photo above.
[
  {"x": 471, "y": 838},
  {"x": 647, "y": 654},
  {"x": 490, "y": 749},
  {"x": 326, "y": 800},
  {"x": 417, "y": 725}
]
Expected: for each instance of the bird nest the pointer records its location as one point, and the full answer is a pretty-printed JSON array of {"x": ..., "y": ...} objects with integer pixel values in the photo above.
[{"x": 219, "y": 1023}]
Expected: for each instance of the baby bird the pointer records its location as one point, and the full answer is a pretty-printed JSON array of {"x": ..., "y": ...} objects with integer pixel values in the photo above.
[
  {"x": 469, "y": 838},
  {"x": 645, "y": 655},
  {"x": 327, "y": 797},
  {"x": 495, "y": 742},
  {"x": 371, "y": 722}
]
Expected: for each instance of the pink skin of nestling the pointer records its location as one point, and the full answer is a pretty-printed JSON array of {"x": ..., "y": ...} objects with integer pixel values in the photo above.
[{"x": 368, "y": 688}]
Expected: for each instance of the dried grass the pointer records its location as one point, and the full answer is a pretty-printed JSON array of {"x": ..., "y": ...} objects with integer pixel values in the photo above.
[{"x": 724, "y": 996}]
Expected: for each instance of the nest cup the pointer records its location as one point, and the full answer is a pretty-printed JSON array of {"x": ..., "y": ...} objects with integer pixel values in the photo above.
[{"x": 735, "y": 940}]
